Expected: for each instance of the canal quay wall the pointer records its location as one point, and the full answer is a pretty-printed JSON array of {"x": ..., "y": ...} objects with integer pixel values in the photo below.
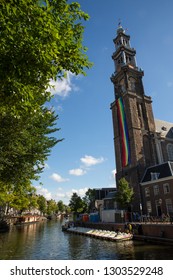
[{"x": 154, "y": 232}]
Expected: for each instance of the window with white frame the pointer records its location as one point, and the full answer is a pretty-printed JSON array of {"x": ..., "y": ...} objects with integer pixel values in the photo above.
[
  {"x": 156, "y": 189},
  {"x": 166, "y": 188},
  {"x": 147, "y": 191},
  {"x": 170, "y": 151},
  {"x": 154, "y": 176},
  {"x": 149, "y": 208},
  {"x": 169, "y": 206}
]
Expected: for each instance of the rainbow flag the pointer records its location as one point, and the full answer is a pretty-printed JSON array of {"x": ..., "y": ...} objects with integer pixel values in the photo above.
[{"x": 125, "y": 156}]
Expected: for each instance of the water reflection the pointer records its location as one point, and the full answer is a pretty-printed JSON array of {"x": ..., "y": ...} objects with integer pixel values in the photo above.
[
  {"x": 45, "y": 240},
  {"x": 18, "y": 240}
]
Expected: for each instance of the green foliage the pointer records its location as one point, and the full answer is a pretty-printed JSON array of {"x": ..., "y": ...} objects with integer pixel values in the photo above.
[
  {"x": 77, "y": 204},
  {"x": 67, "y": 209},
  {"x": 42, "y": 204},
  {"x": 39, "y": 41},
  {"x": 124, "y": 194},
  {"x": 18, "y": 197},
  {"x": 89, "y": 199},
  {"x": 24, "y": 145},
  {"x": 51, "y": 207},
  {"x": 61, "y": 206}
]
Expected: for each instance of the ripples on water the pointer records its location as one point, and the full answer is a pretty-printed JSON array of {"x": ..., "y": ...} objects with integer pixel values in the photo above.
[{"x": 46, "y": 241}]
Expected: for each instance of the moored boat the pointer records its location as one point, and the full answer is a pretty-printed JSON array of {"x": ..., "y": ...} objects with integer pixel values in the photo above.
[
  {"x": 102, "y": 234},
  {"x": 26, "y": 219},
  {"x": 67, "y": 225}
]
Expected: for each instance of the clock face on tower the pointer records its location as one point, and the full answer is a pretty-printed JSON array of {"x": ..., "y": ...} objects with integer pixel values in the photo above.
[
  {"x": 120, "y": 88},
  {"x": 131, "y": 83}
]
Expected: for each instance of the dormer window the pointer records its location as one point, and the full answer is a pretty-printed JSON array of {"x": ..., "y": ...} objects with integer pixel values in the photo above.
[{"x": 154, "y": 176}]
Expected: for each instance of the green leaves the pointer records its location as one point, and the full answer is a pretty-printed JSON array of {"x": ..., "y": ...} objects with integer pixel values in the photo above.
[
  {"x": 124, "y": 194},
  {"x": 39, "y": 41},
  {"x": 42, "y": 204},
  {"x": 77, "y": 204}
]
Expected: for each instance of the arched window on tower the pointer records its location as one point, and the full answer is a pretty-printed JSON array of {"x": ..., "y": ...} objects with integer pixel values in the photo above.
[{"x": 170, "y": 151}]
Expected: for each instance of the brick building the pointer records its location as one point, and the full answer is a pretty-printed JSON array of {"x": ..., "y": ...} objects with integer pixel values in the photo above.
[
  {"x": 157, "y": 190},
  {"x": 140, "y": 141}
]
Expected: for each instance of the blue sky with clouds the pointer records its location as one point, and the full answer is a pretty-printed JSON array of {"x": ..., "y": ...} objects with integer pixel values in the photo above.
[{"x": 86, "y": 158}]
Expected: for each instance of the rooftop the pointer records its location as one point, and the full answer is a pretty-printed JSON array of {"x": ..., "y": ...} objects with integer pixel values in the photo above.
[
  {"x": 164, "y": 128},
  {"x": 157, "y": 172},
  {"x": 111, "y": 195}
]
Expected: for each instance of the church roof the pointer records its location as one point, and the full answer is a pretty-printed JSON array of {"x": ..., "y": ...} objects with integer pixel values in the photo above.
[
  {"x": 157, "y": 172},
  {"x": 164, "y": 128}
]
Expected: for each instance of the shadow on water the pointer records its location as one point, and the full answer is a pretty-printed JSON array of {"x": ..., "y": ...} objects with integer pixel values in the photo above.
[{"x": 46, "y": 241}]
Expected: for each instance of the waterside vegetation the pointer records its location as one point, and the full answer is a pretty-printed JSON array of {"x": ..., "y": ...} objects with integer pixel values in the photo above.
[{"x": 41, "y": 41}]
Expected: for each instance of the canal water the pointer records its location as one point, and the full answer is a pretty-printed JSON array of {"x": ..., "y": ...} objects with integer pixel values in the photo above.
[{"x": 46, "y": 241}]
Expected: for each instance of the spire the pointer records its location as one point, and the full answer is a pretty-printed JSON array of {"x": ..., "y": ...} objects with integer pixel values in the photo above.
[{"x": 120, "y": 29}]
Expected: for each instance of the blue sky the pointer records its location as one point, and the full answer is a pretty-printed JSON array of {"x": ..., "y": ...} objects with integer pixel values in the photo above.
[{"x": 86, "y": 158}]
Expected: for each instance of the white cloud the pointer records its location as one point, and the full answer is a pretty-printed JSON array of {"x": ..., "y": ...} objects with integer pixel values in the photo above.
[
  {"x": 60, "y": 195},
  {"x": 66, "y": 196},
  {"x": 89, "y": 160},
  {"x": 44, "y": 192},
  {"x": 81, "y": 192},
  {"x": 56, "y": 177},
  {"x": 63, "y": 87},
  {"x": 77, "y": 172},
  {"x": 113, "y": 173}
]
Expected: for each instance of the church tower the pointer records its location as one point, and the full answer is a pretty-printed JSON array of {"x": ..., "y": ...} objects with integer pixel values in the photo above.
[{"x": 133, "y": 121}]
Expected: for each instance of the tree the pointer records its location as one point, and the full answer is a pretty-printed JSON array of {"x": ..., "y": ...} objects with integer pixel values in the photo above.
[
  {"x": 18, "y": 198},
  {"x": 40, "y": 41},
  {"x": 77, "y": 204},
  {"x": 25, "y": 145},
  {"x": 61, "y": 206},
  {"x": 51, "y": 207},
  {"x": 42, "y": 204},
  {"x": 124, "y": 193},
  {"x": 67, "y": 209},
  {"x": 89, "y": 199}
]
